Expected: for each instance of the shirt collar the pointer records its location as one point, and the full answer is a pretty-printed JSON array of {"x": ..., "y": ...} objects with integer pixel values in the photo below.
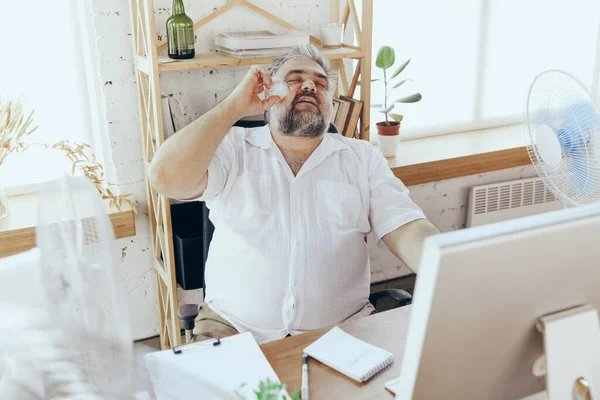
[{"x": 261, "y": 137}]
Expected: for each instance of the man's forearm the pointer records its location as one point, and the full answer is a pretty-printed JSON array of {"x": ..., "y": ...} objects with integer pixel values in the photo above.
[
  {"x": 180, "y": 163},
  {"x": 406, "y": 242}
]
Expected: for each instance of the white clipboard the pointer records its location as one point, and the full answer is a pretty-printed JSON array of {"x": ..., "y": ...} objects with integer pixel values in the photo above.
[{"x": 231, "y": 369}]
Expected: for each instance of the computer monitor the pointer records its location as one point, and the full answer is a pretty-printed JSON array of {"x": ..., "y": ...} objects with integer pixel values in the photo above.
[{"x": 478, "y": 296}]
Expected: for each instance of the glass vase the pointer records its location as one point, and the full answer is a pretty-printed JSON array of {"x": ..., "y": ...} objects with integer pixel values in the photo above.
[{"x": 3, "y": 204}]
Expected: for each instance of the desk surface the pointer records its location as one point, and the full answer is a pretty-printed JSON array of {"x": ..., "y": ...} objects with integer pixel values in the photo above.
[{"x": 387, "y": 330}]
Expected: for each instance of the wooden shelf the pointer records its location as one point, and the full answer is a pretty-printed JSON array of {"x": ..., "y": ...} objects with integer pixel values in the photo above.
[
  {"x": 151, "y": 60},
  {"x": 216, "y": 59},
  {"x": 17, "y": 230}
]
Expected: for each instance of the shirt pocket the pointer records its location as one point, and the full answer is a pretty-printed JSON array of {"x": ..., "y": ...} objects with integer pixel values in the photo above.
[
  {"x": 249, "y": 199},
  {"x": 340, "y": 203}
]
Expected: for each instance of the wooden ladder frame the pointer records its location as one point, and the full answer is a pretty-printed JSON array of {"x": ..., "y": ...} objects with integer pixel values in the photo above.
[{"x": 148, "y": 83}]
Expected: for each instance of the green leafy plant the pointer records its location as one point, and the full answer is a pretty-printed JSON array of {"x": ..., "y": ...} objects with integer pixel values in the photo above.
[
  {"x": 385, "y": 60},
  {"x": 271, "y": 390}
]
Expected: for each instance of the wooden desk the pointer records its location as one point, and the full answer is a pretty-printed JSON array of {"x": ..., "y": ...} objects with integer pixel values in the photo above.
[
  {"x": 387, "y": 330},
  {"x": 430, "y": 159}
]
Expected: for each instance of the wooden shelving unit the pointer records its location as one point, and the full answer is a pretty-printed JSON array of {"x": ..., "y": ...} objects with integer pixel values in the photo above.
[
  {"x": 215, "y": 60},
  {"x": 149, "y": 65}
]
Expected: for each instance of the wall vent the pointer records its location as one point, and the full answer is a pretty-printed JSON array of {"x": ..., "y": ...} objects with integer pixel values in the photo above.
[{"x": 507, "y": 200}]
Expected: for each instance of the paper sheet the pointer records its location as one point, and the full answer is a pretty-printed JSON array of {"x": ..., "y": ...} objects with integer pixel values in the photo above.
[{"x": 231, "y": 370}]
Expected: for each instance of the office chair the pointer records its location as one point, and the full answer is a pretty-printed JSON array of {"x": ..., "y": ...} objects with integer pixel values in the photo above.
[{"x": 187, "y": 313}]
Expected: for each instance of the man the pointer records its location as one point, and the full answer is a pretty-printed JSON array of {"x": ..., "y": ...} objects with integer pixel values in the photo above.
[{"x": 291, "y": 205}]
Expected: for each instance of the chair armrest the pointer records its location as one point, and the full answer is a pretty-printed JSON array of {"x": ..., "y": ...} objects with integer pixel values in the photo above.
[{"x": 401, "y": 297}]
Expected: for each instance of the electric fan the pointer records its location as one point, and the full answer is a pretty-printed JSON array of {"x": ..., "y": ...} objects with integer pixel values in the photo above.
[
  {"x": 74, "y": 341},
  {"x": 563, "y": 141},
  {"x": 563, "y": 136}
]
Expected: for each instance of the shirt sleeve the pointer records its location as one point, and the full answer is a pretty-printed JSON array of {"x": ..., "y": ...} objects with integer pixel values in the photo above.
[
  {"x": 220, "y": 169},
  {"x": 390, "y": 207}
]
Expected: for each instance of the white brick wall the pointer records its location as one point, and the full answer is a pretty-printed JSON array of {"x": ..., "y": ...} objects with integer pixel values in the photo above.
[{"x": 195, "y": 92}]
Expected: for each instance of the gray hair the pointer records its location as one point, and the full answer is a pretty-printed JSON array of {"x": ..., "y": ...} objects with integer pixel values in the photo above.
[{"x": 309, "y": 52}]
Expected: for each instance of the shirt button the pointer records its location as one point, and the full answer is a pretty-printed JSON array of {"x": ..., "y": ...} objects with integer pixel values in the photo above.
[
  {"x": 295, "y": 213},
  {"x": 297, "y": 243}
]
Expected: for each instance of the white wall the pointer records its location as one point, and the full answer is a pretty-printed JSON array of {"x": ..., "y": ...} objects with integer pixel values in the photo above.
[{"x": 195, "y": 92}]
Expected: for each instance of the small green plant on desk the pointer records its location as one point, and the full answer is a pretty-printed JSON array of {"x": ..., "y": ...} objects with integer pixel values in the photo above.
[
  {"x": 386, "y": 58},
  {"x": 270, "y": 390},
  {"x": 388, "y": 130}
]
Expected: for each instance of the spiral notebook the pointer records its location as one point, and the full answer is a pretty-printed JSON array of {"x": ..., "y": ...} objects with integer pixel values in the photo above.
[{"x": 350, "y": 356}]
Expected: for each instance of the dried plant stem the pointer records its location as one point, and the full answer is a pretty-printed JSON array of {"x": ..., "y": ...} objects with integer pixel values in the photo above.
[
  {"x": 14, "y": 126},
  {"x": 3, "y": 206},
  {"x": 88, "y": 166}
]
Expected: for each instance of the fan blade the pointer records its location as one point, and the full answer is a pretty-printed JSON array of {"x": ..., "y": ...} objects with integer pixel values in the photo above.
[{"x": 579, "y": 121}]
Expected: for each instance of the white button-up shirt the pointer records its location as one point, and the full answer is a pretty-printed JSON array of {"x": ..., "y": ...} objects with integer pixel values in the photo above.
[{"x": 288, "y": 253}]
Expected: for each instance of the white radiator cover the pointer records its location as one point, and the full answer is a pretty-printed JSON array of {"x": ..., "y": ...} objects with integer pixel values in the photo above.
[{"x": 507, "y": 200}]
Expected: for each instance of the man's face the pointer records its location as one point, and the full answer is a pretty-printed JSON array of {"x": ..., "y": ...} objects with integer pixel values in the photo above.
[{"x": 306, "y": 111}]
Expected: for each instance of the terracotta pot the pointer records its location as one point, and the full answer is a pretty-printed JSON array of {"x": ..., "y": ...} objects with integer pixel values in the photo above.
[
  {"x": 392, "y": 130},
  {"x": 388, "y": 137}
]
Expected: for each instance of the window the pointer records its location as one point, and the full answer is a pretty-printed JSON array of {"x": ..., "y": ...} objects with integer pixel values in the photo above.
[
  {"x": 43, "y": 67},
  {"x": 473, "y": 60}
]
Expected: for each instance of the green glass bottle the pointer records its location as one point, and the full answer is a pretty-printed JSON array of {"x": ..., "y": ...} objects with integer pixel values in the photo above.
[{"x": 180, "y": 33}]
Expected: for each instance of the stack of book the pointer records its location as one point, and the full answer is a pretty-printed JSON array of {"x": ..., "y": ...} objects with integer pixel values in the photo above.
[
  {"x": 346, "y": 113},
  {"x": 255, "y": 44}
]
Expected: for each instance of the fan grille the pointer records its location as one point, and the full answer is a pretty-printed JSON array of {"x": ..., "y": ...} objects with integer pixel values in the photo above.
[{"x": 560, "y": 101}]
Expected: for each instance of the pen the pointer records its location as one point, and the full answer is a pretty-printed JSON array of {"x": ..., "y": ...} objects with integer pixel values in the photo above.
[{"x": 304, "y": 393}]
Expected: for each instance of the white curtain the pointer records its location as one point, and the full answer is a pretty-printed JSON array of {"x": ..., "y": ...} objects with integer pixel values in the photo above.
[{"x": 42, "y": 65}]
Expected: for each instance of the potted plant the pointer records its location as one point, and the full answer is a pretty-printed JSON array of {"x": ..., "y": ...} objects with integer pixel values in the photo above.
[{"x": 388, "y": 131}]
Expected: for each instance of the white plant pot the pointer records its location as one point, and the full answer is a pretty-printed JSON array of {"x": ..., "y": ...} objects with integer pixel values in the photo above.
[{"x": 388, "y": 144}]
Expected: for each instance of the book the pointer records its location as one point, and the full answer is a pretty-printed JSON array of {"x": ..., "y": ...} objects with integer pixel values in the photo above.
[
  {"x": 231, "y": 370},
  {"x": 348, "y": 355},
  {"x": 336, "y": 105},
  {"x": 254, "y": 53},
  {"x": 353, "y": 117},
  {"x": 341, "y": 115},
  {"x": 254, "y": 40}
]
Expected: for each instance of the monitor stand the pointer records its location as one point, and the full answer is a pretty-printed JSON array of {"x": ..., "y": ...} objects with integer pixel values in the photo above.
[{"x": 571, "y": 361}]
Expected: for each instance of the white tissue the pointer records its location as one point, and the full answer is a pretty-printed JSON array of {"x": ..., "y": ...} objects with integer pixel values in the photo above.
[{"x": 279, "y": 89}]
